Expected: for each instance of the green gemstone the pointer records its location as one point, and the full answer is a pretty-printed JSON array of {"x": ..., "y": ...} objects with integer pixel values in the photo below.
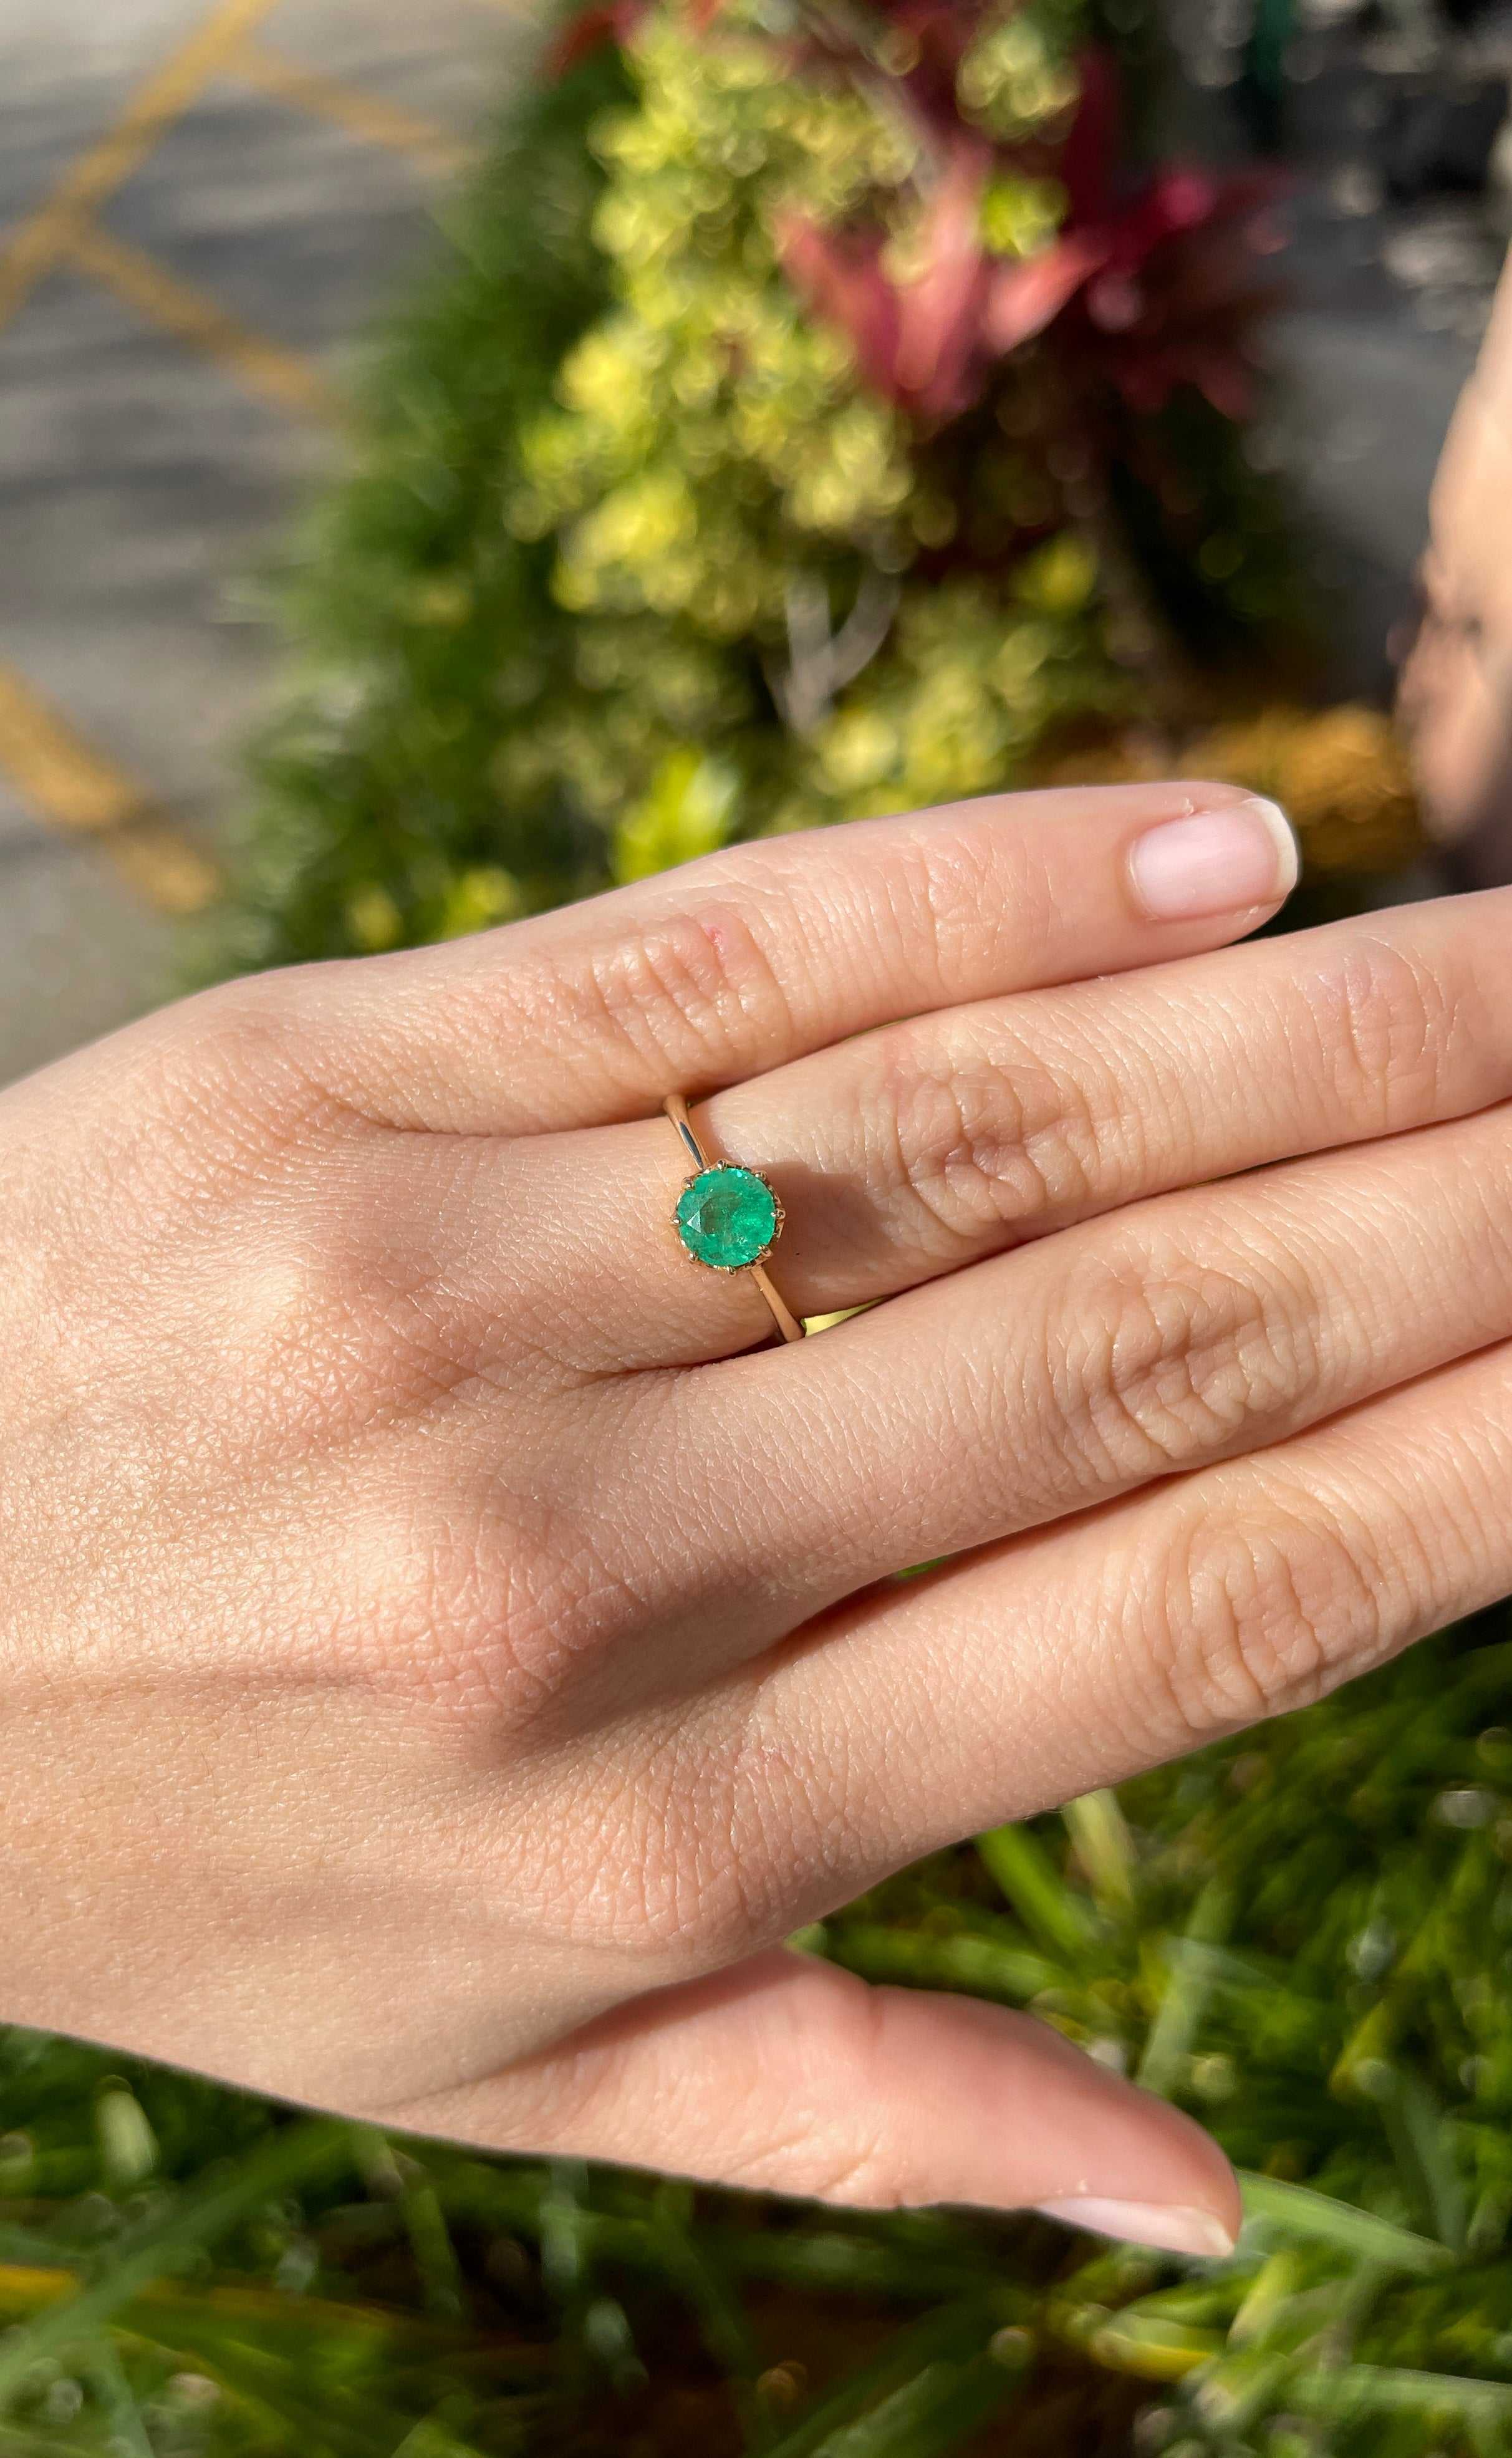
[{"x": 727, "y": 1217}]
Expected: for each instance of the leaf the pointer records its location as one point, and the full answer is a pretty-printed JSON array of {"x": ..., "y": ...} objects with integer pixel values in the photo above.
[
  {"x": 295, "y": 2156},
  {"x": 1297, "y": 2211},
  {"x": 1028, "y": 1878},
  {"x": 1025, "y": 298},
  {"x": 690, "y": 810},
  {"x": 1190, "y": 1978},
  {"x": 920, "y": 337},
  {"x": 931, "y": 2414},
  {"x": 955, "y": 2333}
]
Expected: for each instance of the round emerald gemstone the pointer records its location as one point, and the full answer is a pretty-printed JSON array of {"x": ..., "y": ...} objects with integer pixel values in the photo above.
[{"x": 727, "y": 1217}]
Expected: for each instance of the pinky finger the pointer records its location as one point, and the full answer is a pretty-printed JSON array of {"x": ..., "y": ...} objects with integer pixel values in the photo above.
[
  {"x": 1077, "y": 1656},
  {"x": 788, "y": 2076}
]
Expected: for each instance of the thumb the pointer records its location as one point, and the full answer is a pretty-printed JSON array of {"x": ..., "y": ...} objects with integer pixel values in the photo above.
[{"x": 791, "y": 2076}]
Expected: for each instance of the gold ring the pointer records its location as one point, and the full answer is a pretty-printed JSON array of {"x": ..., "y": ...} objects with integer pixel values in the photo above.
[{"x": 727, "y": 1218}]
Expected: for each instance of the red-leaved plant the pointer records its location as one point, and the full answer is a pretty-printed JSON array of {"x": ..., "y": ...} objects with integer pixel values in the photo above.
[{"x": 1147, "y": 282}]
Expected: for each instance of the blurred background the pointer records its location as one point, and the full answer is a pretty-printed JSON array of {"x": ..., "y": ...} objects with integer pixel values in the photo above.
[
  {"x": 449, "y": 462},
  {"x": 202, "y": 209}
]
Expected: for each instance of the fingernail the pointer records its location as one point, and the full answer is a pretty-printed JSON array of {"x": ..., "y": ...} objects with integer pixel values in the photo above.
[
  {"x": 1223, "y": 861},
  {"x": 1176, "y": 2227}
]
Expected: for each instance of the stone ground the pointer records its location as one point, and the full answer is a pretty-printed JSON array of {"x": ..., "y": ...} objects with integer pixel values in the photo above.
[
  {"x": 164, "y": 353},
  {"x": 175, "y": 300}
]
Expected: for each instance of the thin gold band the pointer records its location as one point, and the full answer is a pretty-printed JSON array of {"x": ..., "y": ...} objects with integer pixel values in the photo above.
[{"x": 787, "y": 1322}]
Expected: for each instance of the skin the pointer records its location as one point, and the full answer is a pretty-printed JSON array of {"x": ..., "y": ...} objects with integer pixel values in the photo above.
[{"x": 449, "y": 1647}]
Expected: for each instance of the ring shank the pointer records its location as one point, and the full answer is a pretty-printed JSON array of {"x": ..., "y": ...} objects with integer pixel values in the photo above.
[{"x": 786, "y": 1320}]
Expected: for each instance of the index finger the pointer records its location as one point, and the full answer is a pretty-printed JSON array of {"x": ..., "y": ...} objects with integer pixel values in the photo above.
[{"x": 756, "y": 955}]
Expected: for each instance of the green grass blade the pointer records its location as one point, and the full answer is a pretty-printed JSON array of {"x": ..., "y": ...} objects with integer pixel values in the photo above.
[
  {"x": 294, "y": 2156},
  {"x": 1294, "y": 2211},
  {"x": 1423, "y": 2150},
  {"x": 1389, "y": 2390},
  {"x": 955, "y": 2333},
  {"x": 929, "y": 2415},
  {"x": 1189, "y": 1979},
  {"x": 1029, "y": 1879},
  {"x": 1103, "y": 1845}
]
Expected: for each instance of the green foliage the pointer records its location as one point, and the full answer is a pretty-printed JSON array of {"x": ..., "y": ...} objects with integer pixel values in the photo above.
[
  {"x": 624, "y": 508},
  {"x": 428, "y": 630}
]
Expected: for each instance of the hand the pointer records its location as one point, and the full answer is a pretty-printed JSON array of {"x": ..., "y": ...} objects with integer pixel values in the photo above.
[{"x": 450, "y": 1647}]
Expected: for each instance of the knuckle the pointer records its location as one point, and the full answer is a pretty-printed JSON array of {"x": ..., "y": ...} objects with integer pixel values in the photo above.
[
  {"x": 697, "y": 1895},
  {"x": 332, "y": 1309},
  {"x": 681, "y": 1886},
  {"x": 234, "y": 1033},
  {"x": 983, "y": 1141},
  {"x": 524, "y": 1601},
  {"x": 1257, "y": 1615},
  {"x": 1386, "y": 1022},
  {"x": 850, "y": 2148},
  {"x": 333, "y": 1324},
  {"x": 470, "y": 1624},
  {"x": 727, "y": 1836},
  {"x": 229, "y": 1081},
  {"x": 933, "y": 893},
  {"x": 679, "y": 992},
  {"x": 636, "y": 1864},
  {"x": 511, "y": 1597},
  {"x": 1164, "y": 1359}
]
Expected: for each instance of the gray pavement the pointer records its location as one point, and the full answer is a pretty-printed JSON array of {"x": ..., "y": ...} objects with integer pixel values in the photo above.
[{"x": 144, "y": 483}]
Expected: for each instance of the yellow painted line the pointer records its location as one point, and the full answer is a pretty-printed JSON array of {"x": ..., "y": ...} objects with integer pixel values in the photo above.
[
  {"x": 367, "y": 116},
  {"x": 74, "y": 788},
  {"x": 280, "y": 375},
  {"x": 45, "y": 235},
  {"x": 62, "y": 778},
  {"x": 163, "y": 867}
]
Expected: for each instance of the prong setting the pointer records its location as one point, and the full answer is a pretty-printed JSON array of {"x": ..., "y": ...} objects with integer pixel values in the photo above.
[{"x": 727, "y": 1218}]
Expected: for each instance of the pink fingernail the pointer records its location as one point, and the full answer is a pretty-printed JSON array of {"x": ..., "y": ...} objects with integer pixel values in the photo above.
[
  {"x": 1176, "y": 2227},
  {"x": 1224, "y": 860}
]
